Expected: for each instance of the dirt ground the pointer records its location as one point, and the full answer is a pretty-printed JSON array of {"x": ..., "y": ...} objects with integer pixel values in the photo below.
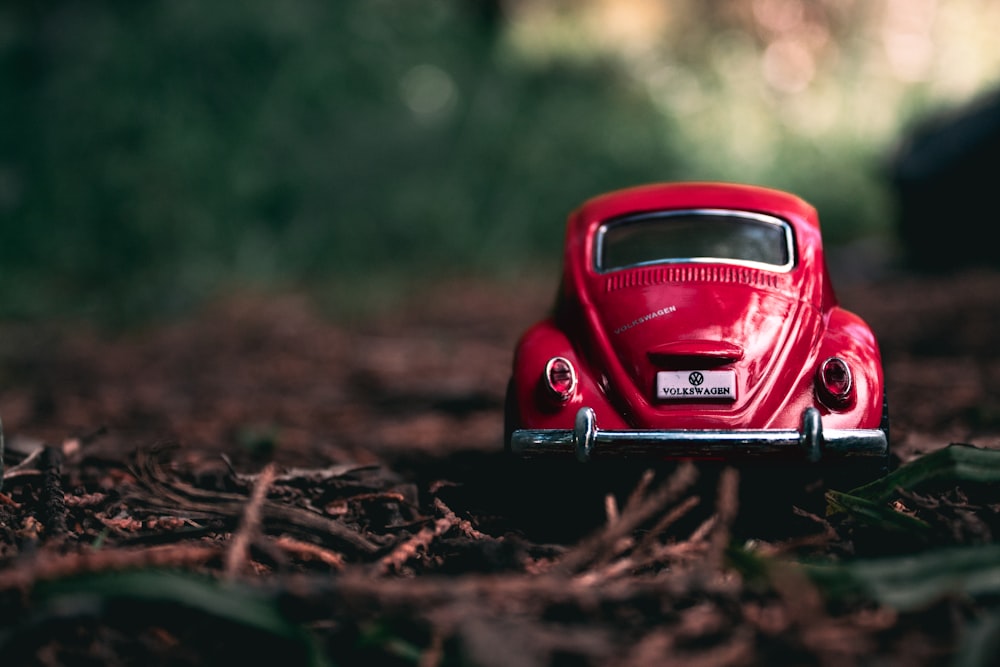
[{"x": 347, "y": 480}]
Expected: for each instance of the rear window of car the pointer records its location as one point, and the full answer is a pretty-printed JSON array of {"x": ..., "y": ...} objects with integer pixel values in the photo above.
[{"x": 695, "y": 236}]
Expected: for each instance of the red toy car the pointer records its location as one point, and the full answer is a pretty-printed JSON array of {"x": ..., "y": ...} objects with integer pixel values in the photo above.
[{"x": 697, "y": 321}]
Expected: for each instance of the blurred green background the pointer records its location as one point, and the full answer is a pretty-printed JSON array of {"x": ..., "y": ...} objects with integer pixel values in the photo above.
[{"x": 155, "y": 154}]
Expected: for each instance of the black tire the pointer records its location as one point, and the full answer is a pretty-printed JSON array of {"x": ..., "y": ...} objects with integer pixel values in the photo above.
[{"x": 852, "y": 475}]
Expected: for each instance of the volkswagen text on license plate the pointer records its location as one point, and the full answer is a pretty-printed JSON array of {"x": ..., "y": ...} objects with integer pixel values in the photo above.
[{"x": 687, "y": 385}]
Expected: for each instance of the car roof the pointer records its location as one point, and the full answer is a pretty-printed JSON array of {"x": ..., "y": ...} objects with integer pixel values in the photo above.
[
  {"x": 693, "y": 195},
  {"x": 584, "y": 222}
]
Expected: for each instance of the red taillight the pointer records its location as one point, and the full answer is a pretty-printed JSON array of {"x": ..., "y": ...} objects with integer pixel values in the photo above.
[
  {"x": 836, "y": 384},
  {"x": 560, "y": 378}
]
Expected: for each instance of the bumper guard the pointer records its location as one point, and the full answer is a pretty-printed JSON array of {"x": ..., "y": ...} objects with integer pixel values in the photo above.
[{"x": 809, "y": 443}]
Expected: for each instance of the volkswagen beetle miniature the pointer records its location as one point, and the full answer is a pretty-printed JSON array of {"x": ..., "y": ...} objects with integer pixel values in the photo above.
[{"x": 697, "y": 321}]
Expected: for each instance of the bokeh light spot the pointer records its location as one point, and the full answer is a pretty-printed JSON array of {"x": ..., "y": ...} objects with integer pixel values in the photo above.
[{"x": 428, "y": 90}]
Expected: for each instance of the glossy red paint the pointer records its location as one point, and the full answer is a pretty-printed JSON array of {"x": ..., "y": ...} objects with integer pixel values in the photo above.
[{"x": 768, "y": 329}]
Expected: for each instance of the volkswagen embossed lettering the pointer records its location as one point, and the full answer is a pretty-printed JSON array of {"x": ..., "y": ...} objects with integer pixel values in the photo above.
[
  {"x": 684, "y": 385},
  {"x": 697, "y": 321}
]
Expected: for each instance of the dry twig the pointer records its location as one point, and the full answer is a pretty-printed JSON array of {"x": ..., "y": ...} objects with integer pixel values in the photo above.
[
  {"x": 462, "y": 524},
  {"x": 237, "y": 555},
  {"x": 156, "y": 492},
  {"x": 49, "y": 567},
  {"x": 53, "y": 510},
  {"x": 408, "y": 549},
  {"x": 727, "y": 506},
  {"x": 667, "y": 520},
  {"x": 25, "y": 467},
  {"x": 639, "y": 508},
  {"x": 309, "y": 551}
]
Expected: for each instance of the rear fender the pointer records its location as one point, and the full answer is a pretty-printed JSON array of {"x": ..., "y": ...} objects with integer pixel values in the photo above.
[
  {"x": 851, "y": 339},
  {"x": 535, "y": 406}
]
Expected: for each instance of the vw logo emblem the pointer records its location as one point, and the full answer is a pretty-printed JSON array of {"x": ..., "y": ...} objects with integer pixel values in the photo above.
[{"x": 696, "y": 378}]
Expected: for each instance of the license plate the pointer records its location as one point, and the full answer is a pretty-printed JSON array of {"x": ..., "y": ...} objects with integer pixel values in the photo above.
[{"x": 688, "y": 385}]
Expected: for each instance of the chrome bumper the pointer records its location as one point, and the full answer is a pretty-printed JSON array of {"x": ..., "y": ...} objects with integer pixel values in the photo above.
[{"x": 810, "y": 443}]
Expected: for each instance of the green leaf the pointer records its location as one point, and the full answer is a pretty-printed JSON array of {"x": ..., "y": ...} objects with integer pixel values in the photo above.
[
  {"x": 908, "y": 583},
  {"x": 980, "y": 644},
  {"x": 237, "y": 604},
  {"x": 953, "y": 464},
  {"x": 382, "y": 635},
  {"x": 876, "y": 514}
]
